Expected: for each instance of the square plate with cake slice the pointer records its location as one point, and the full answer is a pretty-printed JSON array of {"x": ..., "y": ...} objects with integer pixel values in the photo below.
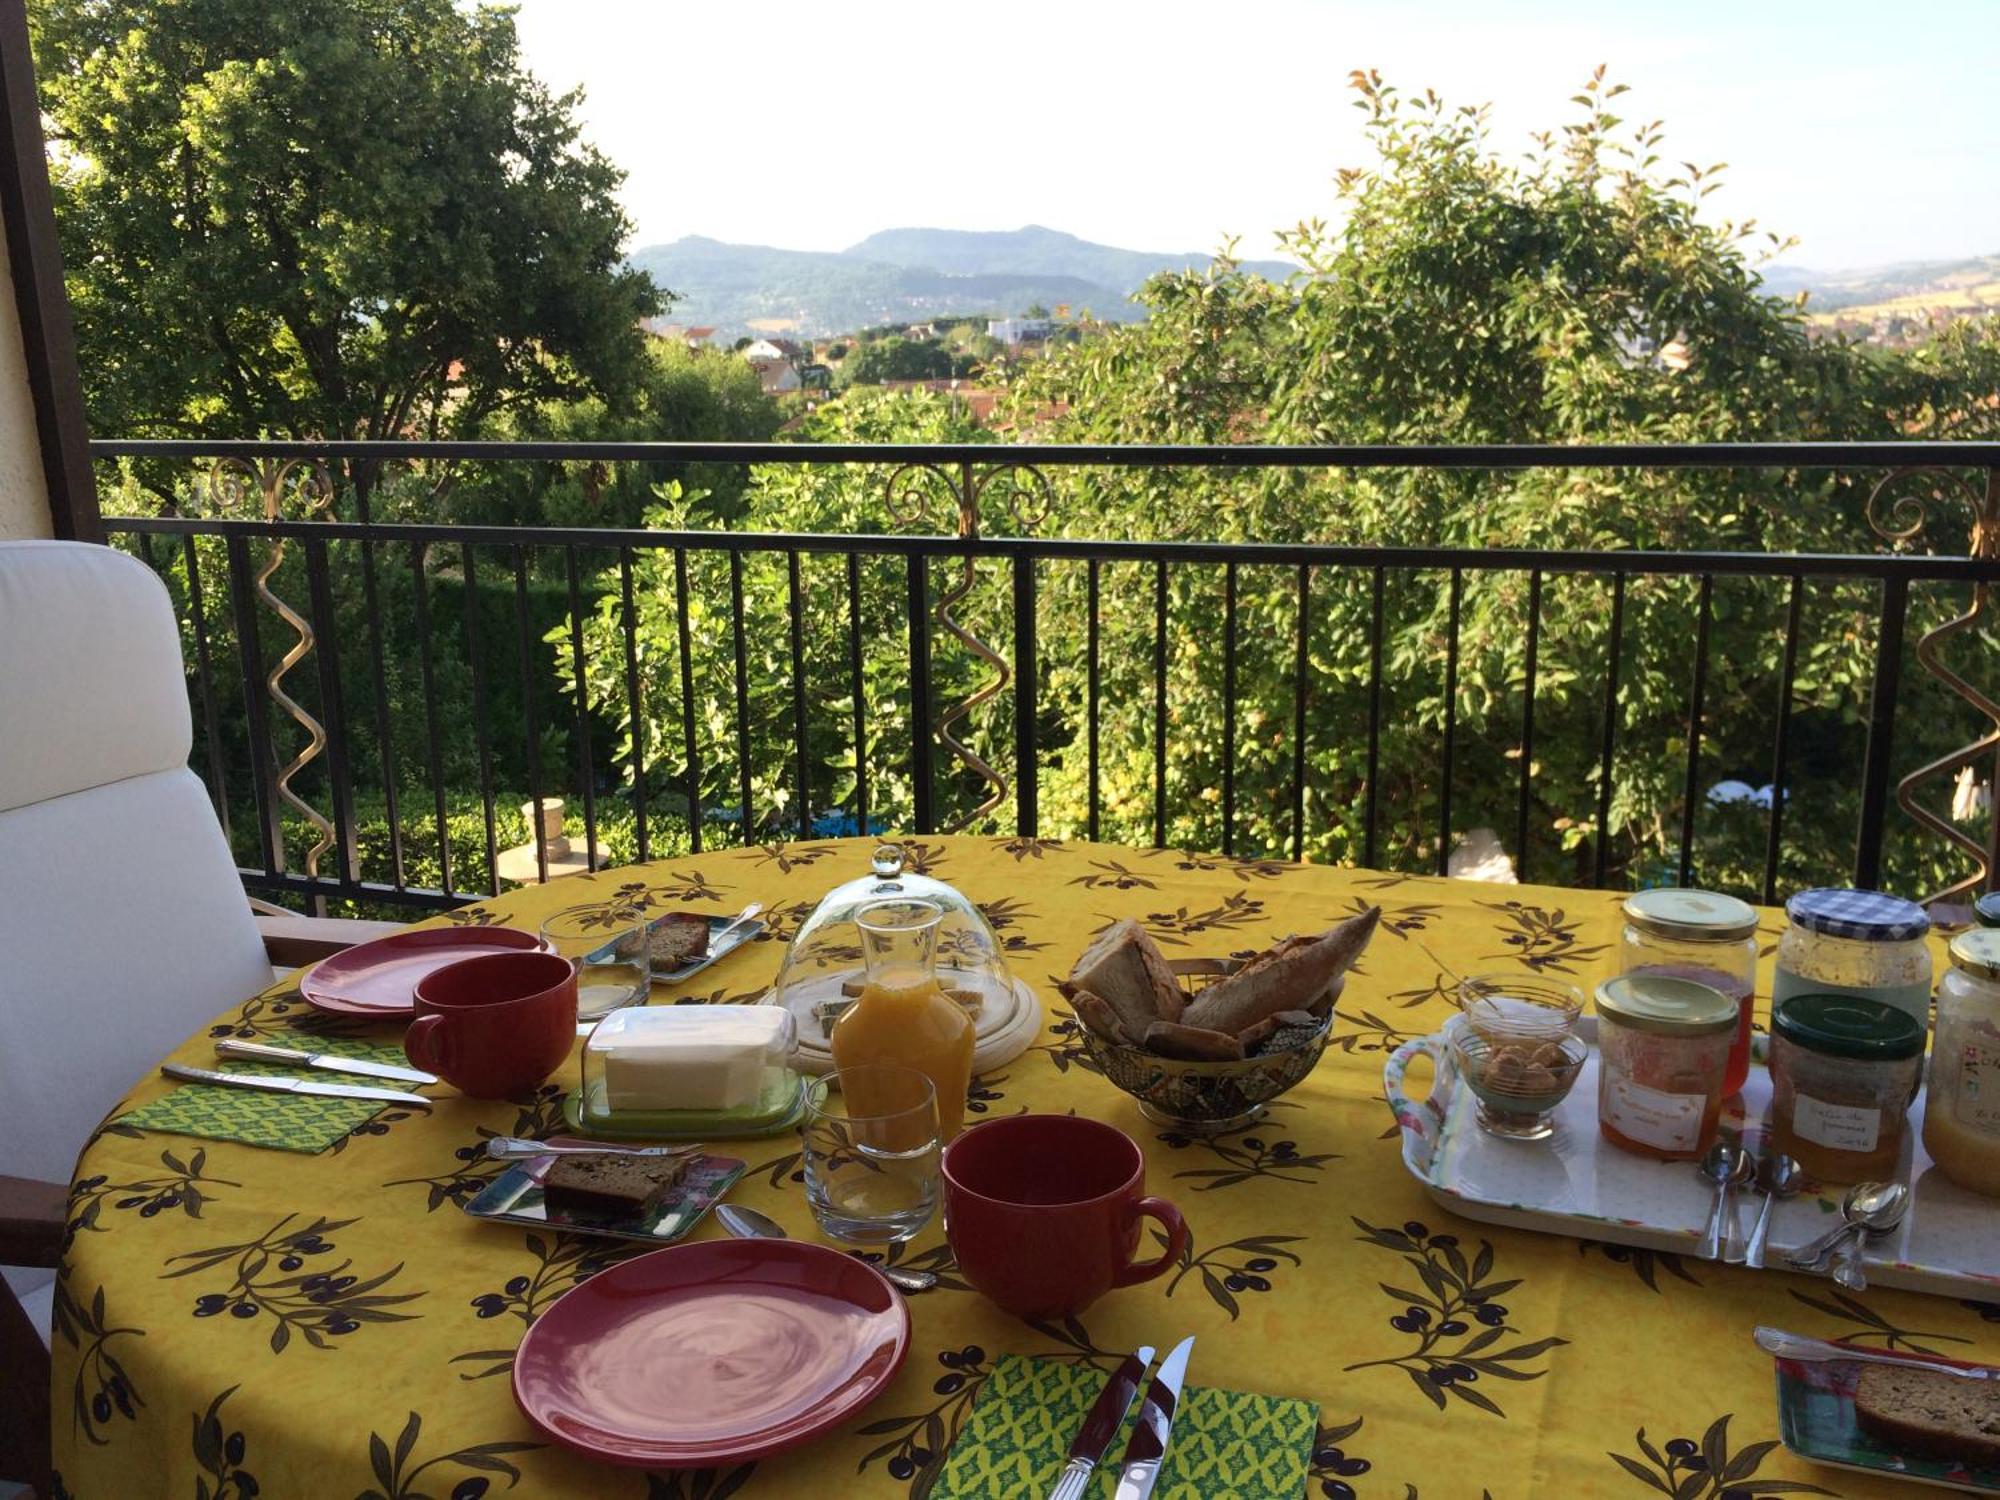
[
  {"x": 684, "y": 943},
  {"x": 1941, "y": 1430},
  {"x": 654, "y": 1199}
]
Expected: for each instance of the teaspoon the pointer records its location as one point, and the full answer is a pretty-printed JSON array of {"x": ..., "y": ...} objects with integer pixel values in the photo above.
[
  {"x": 1868, "y": 1208},
  {"x": 748, "y": 1224},
  {"x": 1718, "y": 1167},
  {"x": 1780, "y": 1176}
]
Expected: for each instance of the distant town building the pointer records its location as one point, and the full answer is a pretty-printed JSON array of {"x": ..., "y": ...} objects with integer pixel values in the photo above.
[
  {"x": 1017, "y": 330},
  {"x": 979, "y": 401},
  {"x": 776, "y": 375},
  {"x": 694, "y": 338}
]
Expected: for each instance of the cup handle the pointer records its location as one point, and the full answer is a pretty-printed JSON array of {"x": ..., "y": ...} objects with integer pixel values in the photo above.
[
  {"x": 1170, "y": 1219},
  {"x": 1421, "y": 1120},
  {"x": 423, "y": 1044}
]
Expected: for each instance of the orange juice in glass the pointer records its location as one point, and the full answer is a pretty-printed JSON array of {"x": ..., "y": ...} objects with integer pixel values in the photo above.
[{"x": 902, "y": 1016}]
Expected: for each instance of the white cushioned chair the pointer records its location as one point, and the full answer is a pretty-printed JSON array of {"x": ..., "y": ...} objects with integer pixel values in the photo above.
[{"x": 123, "y": 924}]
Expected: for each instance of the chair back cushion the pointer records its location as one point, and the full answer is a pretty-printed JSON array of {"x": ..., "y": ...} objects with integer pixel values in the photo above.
[{"x": 123, "y": 924}]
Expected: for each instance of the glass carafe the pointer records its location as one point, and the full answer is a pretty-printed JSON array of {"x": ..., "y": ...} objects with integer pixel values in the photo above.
[{"x": 902, "y": 1015}]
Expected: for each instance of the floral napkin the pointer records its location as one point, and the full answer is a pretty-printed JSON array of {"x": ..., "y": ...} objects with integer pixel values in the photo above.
[
  {"x": 288, "y": 1122},
  {"x": 1226, "y": 1445}
]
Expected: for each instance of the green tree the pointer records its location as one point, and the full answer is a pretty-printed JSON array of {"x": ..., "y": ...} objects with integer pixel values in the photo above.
[
  {"x": 897, "y": 358},
  {"x": 348, "y": 219}
]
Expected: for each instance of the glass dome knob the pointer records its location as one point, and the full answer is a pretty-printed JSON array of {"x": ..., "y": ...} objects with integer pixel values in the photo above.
[{"x": 888, "y": 860}]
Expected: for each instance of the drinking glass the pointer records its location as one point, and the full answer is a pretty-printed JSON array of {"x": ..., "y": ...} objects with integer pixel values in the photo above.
[
  {"x": 871, "y": 1153},
  {"x": 609, "y": 946}
]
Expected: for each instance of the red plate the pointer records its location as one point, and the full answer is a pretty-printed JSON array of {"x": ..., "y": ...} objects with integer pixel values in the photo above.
[
  {"x": 380, "y": 978},
  {"x": 711, "y": 1353}
]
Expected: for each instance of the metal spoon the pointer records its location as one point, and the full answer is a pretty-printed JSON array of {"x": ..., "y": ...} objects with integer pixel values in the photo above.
[
  {"x": 1780, "y": 1176},
  {"x": 515, "y": 1148},
  {"x": 1745, "y": 1170},
  {"x": 1718, "y": 1166},
  {"x": 1868, "y": 1208},
  {"x": 748, "y": 1224}
]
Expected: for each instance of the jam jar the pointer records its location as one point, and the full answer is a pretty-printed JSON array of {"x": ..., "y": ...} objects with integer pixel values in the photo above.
[
  {"x": 1962, "y": 1103},
  {"x": 1843, "y": 1072},
  {"x": 1662, "y": 1046},
  {"x": 1703, "y": 936},
  {"x": 1865, "y": 943}
]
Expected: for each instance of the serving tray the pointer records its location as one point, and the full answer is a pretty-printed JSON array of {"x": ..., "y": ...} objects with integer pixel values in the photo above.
[{"x": 1576, "y": 1183}]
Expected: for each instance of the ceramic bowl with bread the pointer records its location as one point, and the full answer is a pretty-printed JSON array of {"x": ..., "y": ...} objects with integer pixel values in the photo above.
[{"x": 1205, "y": 1044}]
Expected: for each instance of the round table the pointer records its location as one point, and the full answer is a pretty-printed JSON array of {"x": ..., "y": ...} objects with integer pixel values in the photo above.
[{"x": 235, "y": 1320}]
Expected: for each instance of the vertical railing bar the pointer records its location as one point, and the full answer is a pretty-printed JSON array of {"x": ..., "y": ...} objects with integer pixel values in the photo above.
[
  {"x": 1368, "y": 844},
  {"x": 1299, "y": 663},
  {"x": 1521, "y": 829},
  {"x": 1027, "y": 802},
  {"x": 481, "y": 727},
  {"x": 1781, "y": 742},
  {"x": 1696, "y": 706},
  {"x": 1450, "y": 723},
  {"x": 379, "y": 656},
  {"x": 428, "y": 674},
  {"x": 858, "y": 685},
  {"x": 1229, "y": 708},
  {"x": 740, "y": 641},
  {"x": 1160, "y": 704},
  {"x": 250, "y": 655},
  {"x": 799, "y": 724},
  {"x": 689, "y": 749},
  {"x": 1881, "y": 732},
  {"x": 211, "y": 722},
  {"x": 1614, "y": 651},
  {"x": 634, "y": 705},
  {"x": 532, "y": 720},
  {"x": 920, "y": 693},
  {"x": 333, "y": 712},
  {"x": 1093, "y": 688},
  {"x": 586, "y": 758}
]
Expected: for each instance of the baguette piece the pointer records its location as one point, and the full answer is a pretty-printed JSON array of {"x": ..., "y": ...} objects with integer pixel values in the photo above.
[
  {"x": 1293, "y": 975},
  {"x": 1191, "y": 1043},
  {"x": 1125, "y": 969},
  {"x": 1932, "y": 1415},
  {"x": 1101, "y": 1019}
]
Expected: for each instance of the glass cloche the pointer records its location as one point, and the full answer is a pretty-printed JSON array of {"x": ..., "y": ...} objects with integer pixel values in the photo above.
[{"x": 823, "y": 970}]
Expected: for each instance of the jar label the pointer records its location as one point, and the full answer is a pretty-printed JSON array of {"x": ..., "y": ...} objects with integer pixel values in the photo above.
[
  {"x": 1667, "y": 1122},
  {"x": 1839, "y": 1127},
  {"x": 1978, "y": 1108}
]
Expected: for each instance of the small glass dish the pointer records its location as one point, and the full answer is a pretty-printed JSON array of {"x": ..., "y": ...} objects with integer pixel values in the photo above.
[
  {"x": 1519, "y": 1081},
  {"x": 1507, "y": 1008}
]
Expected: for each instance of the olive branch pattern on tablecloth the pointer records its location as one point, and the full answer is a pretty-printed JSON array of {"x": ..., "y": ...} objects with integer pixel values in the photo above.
[
  {"x": 1687, "y": 1470},
  {"x": 538, "y": 1116},
  {"x": 1112, "y": 876},
  {"x": 1241, "y": 1267},
  {"x": 1644, "y": 1264},
  {"x": 698, "y": 1484},
  {"x": 1332, "y": 1465},
  {"x": 221, "y": 1453},
  {"x": 1861, "y": 1325},
  {"x": 1248, "y": 1157},
  {"x": 179, "y": 1187},
  {"x": 1543, "y": 939},
  {"x": 1456, "y": 1295},
  {"x": 562, "y": 1261},
  {"x": 317, "y": 1300},
  {"x": 396, "y": 1476},
  {"x": 102, "y": 1385}
]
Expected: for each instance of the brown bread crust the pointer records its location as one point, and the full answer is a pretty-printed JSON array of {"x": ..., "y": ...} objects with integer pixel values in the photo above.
[
  {"x": 1935, "y": 1416},
  {"x": 1294, "y": 975}
]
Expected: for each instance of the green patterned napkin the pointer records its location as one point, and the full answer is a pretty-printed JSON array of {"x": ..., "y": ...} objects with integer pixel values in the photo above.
[
  {"x": 1226, "y": 1445},
  {"x": 290, "y": 1122}
]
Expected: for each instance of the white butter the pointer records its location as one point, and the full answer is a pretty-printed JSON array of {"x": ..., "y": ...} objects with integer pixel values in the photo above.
[{"x": 688, "y": 1056}]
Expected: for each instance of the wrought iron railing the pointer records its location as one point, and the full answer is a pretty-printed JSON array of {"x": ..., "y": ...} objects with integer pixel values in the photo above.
[{"x": 288, "y": 491}]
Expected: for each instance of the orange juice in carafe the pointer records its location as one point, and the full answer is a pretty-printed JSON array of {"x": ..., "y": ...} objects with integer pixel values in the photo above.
[{"x": 902, "y": 1016}]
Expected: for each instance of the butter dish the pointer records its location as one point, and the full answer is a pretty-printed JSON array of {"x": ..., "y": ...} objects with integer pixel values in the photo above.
[{"x": 689, "y": 1072}]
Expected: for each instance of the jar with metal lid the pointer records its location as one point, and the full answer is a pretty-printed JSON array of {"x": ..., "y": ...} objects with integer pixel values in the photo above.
[
  {"x": 1843, "y": 1073},
  {"x": 1987, "y": 909},
  {"x": 1662, "y": 1046},
  {"x": 1962, "y": 1099},
  {"x": 1862, "y": 943},
  {"x": 1704, "y": 936}
]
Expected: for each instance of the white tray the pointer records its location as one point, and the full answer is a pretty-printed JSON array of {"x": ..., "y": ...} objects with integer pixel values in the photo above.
[{"x": 1576, "y": 1183}]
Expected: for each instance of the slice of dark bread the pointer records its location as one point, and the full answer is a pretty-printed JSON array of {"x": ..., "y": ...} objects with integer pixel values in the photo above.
[
  {"x": 1932, "y": 1415},
  {"x": 610, "y": 1186},
  {"x": 678, "y": 938}
]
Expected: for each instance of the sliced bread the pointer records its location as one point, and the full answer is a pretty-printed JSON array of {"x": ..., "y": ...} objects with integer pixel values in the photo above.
[
  {"x": 1932, "y": 1415},
  {"x": 1125, "y": 969}
]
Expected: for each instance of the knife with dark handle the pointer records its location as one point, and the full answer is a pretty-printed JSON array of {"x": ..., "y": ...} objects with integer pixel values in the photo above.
[
  {"x": 1148, "y": 1448},
  {"x": 1101, "y": 1424},
  {"x": 1799, "y": 1346},
  {"x": 264, "y": 1052},
  {"x": 310, "y": 1086}
]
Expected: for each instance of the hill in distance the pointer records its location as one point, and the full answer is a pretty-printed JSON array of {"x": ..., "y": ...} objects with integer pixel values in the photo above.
[
  {"x": 1905, "y": 287},
  {"x": 904, "y": 275}
]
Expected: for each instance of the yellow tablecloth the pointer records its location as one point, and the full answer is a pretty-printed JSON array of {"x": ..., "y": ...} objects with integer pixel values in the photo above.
[{"x": 236, "y": 1321}]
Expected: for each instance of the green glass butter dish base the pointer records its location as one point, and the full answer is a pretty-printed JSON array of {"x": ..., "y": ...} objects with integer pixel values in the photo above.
[{"x": 776, "y": 1109}]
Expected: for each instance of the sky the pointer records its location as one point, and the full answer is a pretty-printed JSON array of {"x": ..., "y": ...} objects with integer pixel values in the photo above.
[{"x": 1870, "y": 132}]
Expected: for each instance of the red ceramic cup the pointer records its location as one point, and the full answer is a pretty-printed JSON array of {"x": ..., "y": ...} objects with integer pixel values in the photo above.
[
  {"x": 496, "y": 1025},
  {"x": 1043, "y": 1213}
]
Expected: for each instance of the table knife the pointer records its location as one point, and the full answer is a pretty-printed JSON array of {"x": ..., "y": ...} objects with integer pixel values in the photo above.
[
  {"x": 310, "y": 1086},
  {"x": 1101, "y": 1424},
  {"x": 1148, "y": 1447},
  {"x": 331, "y": 1062},
  {"x": 1798, "y": 1346}
]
